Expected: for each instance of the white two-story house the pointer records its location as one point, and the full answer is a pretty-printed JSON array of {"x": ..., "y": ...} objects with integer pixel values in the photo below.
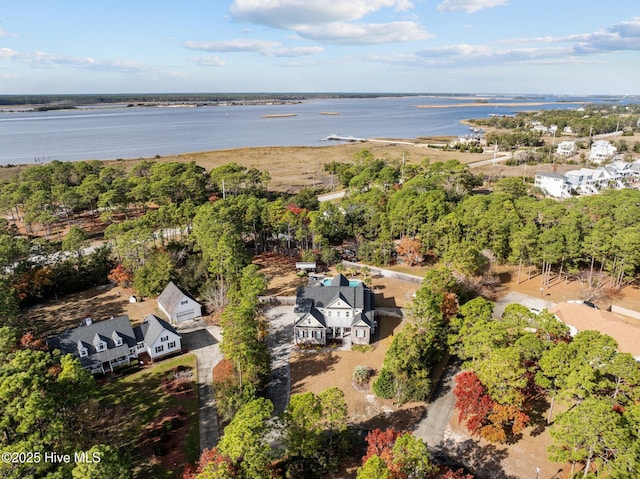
[{"x": 334, "y": 308}]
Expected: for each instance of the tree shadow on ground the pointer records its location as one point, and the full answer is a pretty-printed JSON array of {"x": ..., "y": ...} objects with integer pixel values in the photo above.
[
  {"x": 402, "y": 419},
  {"x": 538, "y": 416},
  {"x": 387, "y": 325},
  {"x": 308, "y": 364},
  {"x": 485, "y": 461},
  {"x": 384, "y": 302}
]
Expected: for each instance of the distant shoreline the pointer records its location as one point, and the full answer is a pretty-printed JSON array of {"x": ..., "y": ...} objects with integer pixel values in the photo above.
[{"x": 503, "y": 104}]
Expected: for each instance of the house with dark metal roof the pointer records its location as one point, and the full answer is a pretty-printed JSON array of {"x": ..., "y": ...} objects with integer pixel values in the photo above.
[
  {"x": 334, "y": 308},
  {"x": 101, "y": 346},
  {"x": 177, "y": 305}
]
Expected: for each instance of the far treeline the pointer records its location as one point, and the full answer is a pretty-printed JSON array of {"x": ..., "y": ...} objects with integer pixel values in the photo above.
[{"x": 95, "y": 99}]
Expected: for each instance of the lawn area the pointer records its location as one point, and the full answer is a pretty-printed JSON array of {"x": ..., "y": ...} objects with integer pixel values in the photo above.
[{"x": 144, "y": 404}]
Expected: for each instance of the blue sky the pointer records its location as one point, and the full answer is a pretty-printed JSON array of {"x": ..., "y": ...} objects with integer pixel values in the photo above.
[{"x": 440, "y": 46}]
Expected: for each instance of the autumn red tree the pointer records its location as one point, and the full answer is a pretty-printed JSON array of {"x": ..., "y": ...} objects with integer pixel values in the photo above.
[
  {"x": 482, "y": 415},
  {"x": 28, "y": 341},
  {"x": 472, "y": 401},
  {"x": 121, "y": 275},
  {"x": 380, "y": 443},
  {"x": 208, "y": 456},
  {"x": 410, "y": 249}
]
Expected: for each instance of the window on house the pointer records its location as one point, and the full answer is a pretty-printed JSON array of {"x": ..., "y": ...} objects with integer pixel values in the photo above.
[
  {"x": 338, "y": 313},
  {"x": 118, "y": 341},
  {"x": 359, "y": 333},
  {"x": 140, "y": 345},
  {"x": 159, "y": 349},
  {"x": 84, "y": 353},
  {"x": 101, "y": 346},
  {"x": 301, "y": 334},
  {"x": 184, "y": 302},
  {"x": 348, "y": 313},
  {"x": 164, "y": 339},
  {"x": 171, "y": 345}
]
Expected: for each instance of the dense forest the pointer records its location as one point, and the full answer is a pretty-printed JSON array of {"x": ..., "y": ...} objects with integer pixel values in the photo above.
[{"x": 162, "y": 221}]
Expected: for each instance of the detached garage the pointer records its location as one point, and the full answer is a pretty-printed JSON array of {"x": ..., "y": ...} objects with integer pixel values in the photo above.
[{"x": 177, "y": 305}]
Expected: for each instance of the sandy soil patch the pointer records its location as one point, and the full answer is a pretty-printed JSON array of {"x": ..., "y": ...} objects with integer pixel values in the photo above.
[
  {"x": 98, "y": 303},
  {"x": 558, "y": 291},
  {"x": 500, "y": 461},
  {"x": 316, "y": 371}
]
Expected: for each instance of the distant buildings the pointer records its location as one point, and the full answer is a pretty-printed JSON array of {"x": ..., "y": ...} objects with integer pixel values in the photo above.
[
  {"x": 566, "y": 148},
  {"x": 588, "y": 181},
  {"x": 601, "y": 150}
]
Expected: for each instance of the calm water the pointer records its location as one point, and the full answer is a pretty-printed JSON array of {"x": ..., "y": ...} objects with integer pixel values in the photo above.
[{"x": 109, "y": 133}]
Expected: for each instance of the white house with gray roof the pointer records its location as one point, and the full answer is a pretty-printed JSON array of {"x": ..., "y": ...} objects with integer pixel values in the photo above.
[
  {"x": 334, "y": 308},
  {"x": 177, "y": 305},
  {"x": 104, "y": 345}
]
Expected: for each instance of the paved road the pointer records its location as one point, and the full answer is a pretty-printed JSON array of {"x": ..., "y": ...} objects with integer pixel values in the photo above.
[
  {"x": 204, "y": 342},
  {"x": 431, "y": 428},
  {"x": 280, "y": 344}
]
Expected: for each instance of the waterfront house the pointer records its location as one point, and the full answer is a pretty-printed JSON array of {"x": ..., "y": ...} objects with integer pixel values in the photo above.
[
  {"x": 566, "y": 148},
  {"x": 553, "y": 184},
  {"x": 601, "y": 150}
]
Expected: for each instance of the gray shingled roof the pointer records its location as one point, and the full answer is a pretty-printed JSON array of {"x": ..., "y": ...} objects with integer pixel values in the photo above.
[
  {"x": 171, "y": 297},
  {"x": 153, "y": 326},
  {"x": 68, "y": 341},
  {"x": 360, "y": 297}
]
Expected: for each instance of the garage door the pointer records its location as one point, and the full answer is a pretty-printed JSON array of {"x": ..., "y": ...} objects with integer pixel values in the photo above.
[{"x": 184, "y": 315}]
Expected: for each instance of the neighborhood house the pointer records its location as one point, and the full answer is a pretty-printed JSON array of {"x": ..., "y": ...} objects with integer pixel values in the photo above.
[
  {"x": 589, "y": 181},
  {"x": 177, "y": 305},
  {"x": 334, "y": 308},
  {"x": 104, "y": 345}
]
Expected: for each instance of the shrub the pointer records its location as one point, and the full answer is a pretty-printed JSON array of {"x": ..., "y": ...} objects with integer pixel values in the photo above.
[
  {"x": 362, "y": 348},
  {"x": 383, "y": 386},
  {"x": 362, "y": 374}
]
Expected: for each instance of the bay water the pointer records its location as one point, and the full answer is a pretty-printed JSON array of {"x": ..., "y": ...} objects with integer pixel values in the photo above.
[{"x": 109, "y": 132}]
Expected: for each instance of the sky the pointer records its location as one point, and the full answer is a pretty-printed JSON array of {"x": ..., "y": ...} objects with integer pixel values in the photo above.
[{"x": 565, "y": 47}]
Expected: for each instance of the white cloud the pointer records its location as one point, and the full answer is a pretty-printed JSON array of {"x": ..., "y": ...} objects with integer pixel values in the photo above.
[
  {"x": 624, "y": 36},
  {"x": 39, "y": 59},
  {"x": 265, "y": 48},
  {"x": 469, "y": 6},
  {"x": 237, "y": 45},
  {"x": 6, "y": 34},
  {"x": 291, "y": 13},
  {"x": 336, "y": 23},
  {"x": 208, "y": 61},
  {"x": 296, "y": 51},
  {"x": 364, "y": 33}
]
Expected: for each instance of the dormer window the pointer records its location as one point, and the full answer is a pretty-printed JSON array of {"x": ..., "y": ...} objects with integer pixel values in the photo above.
[
  {"x": 101, "y": 346},
  {"x": 116, "y": 339},
  {"x": 83, "y": 352}
]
